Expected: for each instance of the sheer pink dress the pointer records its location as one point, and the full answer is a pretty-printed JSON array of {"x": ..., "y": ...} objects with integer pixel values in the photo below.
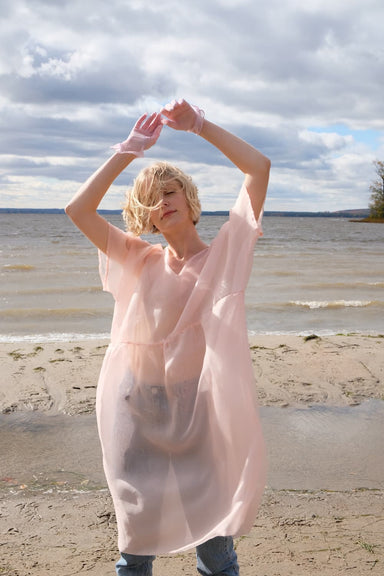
[{"x": 182, "y": 444}]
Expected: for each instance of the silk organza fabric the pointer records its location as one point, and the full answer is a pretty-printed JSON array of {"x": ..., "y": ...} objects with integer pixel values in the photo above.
[{"x": 182, "y": 444}]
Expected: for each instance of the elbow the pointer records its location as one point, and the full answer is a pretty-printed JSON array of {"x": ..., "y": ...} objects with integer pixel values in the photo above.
[
  {"x": 72, "y": 211},
  {"x": 267, "y": 164},
  {"x": 261, "y": 165},
  {"x": 77, "y": 213},
  {"x": 266, "y": 169},
  {"x": 69, "y": 210},
  {"x": 263, "y": 168}
]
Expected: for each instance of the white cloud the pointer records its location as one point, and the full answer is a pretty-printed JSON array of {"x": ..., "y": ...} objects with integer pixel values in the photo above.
[{"x": 75, "y": 75}]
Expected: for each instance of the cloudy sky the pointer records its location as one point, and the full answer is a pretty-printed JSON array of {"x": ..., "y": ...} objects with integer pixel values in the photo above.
[{"x": 302, "y": 80}]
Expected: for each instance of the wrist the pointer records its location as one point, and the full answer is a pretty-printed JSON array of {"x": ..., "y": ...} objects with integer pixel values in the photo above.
[
  {"x": 126, "y": 148},
  {"x": 122, "y": 159},
  {"x": 199, "y": 120}
]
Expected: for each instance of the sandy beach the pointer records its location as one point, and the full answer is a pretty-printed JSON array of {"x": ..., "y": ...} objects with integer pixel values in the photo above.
[{"x": 63, "y": 526}]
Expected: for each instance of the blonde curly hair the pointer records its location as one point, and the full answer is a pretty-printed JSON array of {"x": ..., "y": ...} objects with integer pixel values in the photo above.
[{"x": 146, "y": 195}]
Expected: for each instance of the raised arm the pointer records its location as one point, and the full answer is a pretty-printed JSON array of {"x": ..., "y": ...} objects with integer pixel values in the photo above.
[
  {"x": 82, "y": 209},
  {"x": 255, "y": 166}
]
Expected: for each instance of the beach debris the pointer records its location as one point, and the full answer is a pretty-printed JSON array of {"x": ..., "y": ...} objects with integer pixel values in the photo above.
[{"x": 311, "y": 337}]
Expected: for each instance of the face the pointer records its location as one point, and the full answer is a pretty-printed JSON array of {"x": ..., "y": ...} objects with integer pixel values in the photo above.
[{"x": 174, "y": 209}]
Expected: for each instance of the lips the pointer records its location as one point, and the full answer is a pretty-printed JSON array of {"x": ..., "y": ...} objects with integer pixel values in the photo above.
[{"x": 168, "y": 213}]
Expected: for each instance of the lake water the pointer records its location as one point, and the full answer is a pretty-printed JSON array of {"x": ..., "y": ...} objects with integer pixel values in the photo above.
[{"x": 310, "y": 275}]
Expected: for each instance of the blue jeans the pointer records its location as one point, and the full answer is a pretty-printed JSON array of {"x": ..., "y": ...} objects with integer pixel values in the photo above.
[{"x": 215, "y": 557}]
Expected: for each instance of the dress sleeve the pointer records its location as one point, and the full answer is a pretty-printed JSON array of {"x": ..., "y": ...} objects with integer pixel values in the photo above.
[
  {"x": 124, "y": 255},
  {"x": 242, "y": 219},
  {"x": 232, "y": 250}
]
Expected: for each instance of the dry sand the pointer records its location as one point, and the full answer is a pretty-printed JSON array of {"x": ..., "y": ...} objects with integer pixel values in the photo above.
[{"x": 54, "y": 529}]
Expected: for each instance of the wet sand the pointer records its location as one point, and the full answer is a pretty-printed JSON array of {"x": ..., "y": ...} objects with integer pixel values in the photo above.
[
  {"x": 318, "y": 448},
  {"x": 322, "y": 412}
]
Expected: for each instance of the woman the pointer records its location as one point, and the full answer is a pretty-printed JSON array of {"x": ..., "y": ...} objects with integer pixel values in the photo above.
[{"x": 182, "y": 446}]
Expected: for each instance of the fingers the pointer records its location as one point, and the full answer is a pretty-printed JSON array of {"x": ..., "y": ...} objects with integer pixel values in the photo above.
[
  {"x": 176, "y": 108},
  {"x": 169, "y": 123},
  {"x": 154, "y": 121},
  {"x": 174, "y": 104},
  {"x": 140, "y": 121},
  {"x": 148, "y": 123}
]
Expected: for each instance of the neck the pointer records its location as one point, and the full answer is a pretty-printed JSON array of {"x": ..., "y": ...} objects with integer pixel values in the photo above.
[{"x": 185, "y": 245}]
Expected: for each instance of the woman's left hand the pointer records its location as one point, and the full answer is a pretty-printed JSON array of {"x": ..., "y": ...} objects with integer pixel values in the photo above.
[{"x": 180, "y": 115}]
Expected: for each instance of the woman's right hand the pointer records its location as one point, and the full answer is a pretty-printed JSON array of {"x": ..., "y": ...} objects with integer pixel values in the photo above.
[{"x": 143, "y": 135}]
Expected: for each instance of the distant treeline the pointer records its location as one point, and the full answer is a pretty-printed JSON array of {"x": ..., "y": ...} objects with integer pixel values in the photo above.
[
  {"x": 358, "y": 213},
  {"x": 361, "y": 213}
]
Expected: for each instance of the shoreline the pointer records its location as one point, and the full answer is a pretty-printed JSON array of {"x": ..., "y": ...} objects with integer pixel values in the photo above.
[
  {"x": 75, "y": 337},
  {"x": 329, "y": 531}
]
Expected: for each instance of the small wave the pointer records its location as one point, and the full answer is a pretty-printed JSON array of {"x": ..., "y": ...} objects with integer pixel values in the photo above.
[
  {"x": 321, "y": 333},
  {"x": 342, "y": 285},
  {"x": 18, "y": 267},
  {"x": 53, "y": 290},
  {"x": 41, "y": 313},
  {"x": 51, "y": 337},
  {"x": 315, "y": 304}
]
